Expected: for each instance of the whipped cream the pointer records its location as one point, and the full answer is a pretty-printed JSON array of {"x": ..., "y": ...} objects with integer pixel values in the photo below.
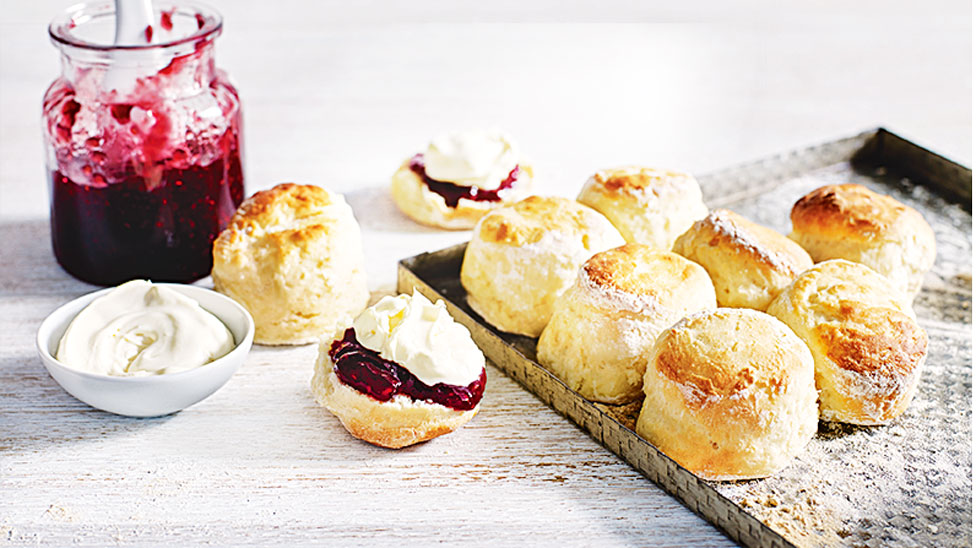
[
  {"x": 421, "y": 337},
  {"x": 477, "y": 158},
  {"x": 140, "y": 329}
]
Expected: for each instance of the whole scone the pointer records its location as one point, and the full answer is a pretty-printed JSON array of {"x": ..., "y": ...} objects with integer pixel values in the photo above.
[
  {"x": 866, "y": 345},
  {"x": 748, "y": 263},
  {"x": 402, "y": 373},
  {"x": 602, "y": 330},
  {"x": 460, "y": 177},
  {"x": 852, "y": 222},
  {"x": 729, "y": 394},
  {"x": 647, "y": 205},
  {"x": 523, "y": 256},
  {"x": 293, "y": 256}
]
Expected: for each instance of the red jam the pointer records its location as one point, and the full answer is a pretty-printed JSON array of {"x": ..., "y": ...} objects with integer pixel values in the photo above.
[
  {"x": 453, "y": 193},
  {"x": 165, "y": 233},
  {"x": 145, "y": 172},
  {"x": 364, "y": 370}
]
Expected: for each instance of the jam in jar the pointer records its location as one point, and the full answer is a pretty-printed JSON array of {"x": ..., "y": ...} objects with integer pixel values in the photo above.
[{"x": 143, "y": 146}]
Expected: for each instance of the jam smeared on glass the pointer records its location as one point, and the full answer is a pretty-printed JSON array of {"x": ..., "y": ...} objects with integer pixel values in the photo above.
[
  {"x": 364, "y": 370},
  {"x": 166, "y": 19},
  {"x": 145, "y": 172},
  {"x": 453, "y": 193}
]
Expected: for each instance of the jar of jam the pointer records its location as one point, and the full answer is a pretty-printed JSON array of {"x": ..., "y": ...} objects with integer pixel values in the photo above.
[{"x": 143, "y": 146}]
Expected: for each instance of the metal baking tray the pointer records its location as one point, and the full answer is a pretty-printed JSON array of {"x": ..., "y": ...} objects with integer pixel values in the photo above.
[{"x": 907, "y": 483}]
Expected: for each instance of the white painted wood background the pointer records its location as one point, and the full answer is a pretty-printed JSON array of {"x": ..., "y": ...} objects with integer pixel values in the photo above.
[{"x": 338, "y": 93}]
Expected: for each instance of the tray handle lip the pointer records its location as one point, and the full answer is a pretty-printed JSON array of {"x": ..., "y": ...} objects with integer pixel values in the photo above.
[
  {"x": 410, "y": 263},
  {"x": 944, "y": 176},
  {"x": 884, "y": 132}
]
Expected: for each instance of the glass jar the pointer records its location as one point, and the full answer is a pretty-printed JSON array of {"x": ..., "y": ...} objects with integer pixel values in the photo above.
[{"x": 142, "y": 146}]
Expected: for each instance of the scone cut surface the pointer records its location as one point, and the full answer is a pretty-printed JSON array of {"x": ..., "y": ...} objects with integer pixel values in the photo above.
[
  {"x": 523, "y": 256},
  {"x": 729, "y": 395},
  {"x": 604, "y": 326},
  {"x": 749, "y": 264},
  {"x": 852, "y": 222},
  {"x": 293, "y": 256},
  {"x": 647, "y": 205},
  {"x": 866, "y": 344}
]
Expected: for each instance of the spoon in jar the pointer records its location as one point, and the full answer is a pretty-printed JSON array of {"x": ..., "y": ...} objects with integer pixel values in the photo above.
[
  {"x": 133, "y": 22},
  {"x": 133, "y": 26}
]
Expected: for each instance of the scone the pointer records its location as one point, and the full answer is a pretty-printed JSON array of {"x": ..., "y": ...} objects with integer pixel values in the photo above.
[
  {"x": 648, "y": 206},
  {"x": 851, "y": 222},
  {"x": 729, "y": 395},
  {"x": 293, "y": 256},
  {"x": 748, "y": 263},
  {"x": 866, "y": 345},
  {"x": 460, "y": 177},
  {"x": 522, "y": 257},
  {"x": 603, "y": 327},
  {"x": 403, "y": 373}
]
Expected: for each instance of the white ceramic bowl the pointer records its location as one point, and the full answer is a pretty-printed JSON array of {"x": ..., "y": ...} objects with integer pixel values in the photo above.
[{"x": 154, "y": 395}]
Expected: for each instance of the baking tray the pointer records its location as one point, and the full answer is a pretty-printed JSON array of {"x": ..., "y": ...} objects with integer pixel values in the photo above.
[{"x": 907, "y": 483}]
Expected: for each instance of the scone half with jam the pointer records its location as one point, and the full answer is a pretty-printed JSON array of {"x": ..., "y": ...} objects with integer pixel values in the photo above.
[{"x": 402, "y": 373}]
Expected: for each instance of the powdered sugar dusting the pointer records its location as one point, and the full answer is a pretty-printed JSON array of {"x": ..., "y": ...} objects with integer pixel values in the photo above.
[
  {"x": 723, "y": 223},
  {"x": 909, "y": 482},
  {"x": 638, "y": 303}
]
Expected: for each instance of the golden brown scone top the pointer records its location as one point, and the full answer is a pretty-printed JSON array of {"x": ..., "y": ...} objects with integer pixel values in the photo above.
[
  {"x": 717, "y": 354},
  {"x": 288, "y": 213},
  {"x": 285, "y": 204},
  {"x": 527, "y": 221},
  {"x": 863, "y": 324},
  {"x": 640, "y": 270},
  {"x": 852, "y": 210},
  {"x": 730, "y": 230},
  {"x": 874, "y": 339},
  {"x": 636, "y": 178}
]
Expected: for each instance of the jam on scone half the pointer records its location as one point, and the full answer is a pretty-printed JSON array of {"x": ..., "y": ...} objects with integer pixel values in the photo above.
[
  {"x": 460, "y": 177},
  {"x": 403, "y": 373}
]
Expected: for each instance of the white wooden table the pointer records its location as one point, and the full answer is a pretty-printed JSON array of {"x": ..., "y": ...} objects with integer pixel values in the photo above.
[{"x": 338, "y": 94}]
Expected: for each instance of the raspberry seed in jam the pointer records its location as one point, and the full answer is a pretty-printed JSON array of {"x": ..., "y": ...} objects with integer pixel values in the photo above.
[
  {"x": 364, "y": 370},
  {"x": 453, "y": 193}
]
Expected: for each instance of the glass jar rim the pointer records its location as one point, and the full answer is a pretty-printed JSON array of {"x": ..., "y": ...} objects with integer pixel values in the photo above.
[{"x": 79, "y": 14}]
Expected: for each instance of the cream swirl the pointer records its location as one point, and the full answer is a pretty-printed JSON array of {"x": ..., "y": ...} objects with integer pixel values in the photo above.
[
  {"x": 140, "y": 329},
  {"x": 421, "y": 337},
  {"x": 476, "y": 158}
]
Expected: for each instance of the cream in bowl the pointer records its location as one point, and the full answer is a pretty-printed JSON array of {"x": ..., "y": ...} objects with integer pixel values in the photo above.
[
  {"x": 144, "y": 349},
  {"x": 143, "y": 329}
]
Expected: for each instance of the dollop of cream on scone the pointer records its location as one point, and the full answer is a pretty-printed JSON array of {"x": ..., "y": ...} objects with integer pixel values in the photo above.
[
  {"x": 460, "y": 177},
  {"x": 421, "y": 337},
  {"x": 474, "y": 158}
]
